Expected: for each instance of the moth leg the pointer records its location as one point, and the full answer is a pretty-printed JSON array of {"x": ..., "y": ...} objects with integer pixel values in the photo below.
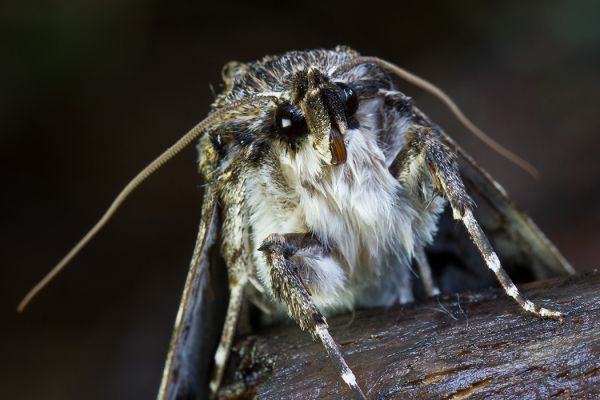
[
  {"x": 289, "y": 286},
  {"x": 229, "y": 327},
  {"x": 493, "y": 263},
  {"x": 235, "y": 251},
  {"x": 425, "y": 272},
  {"x": 424, "y": 146}
]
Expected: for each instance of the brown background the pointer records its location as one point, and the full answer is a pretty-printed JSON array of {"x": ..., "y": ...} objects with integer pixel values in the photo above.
[{"x": 91, "y": 91}]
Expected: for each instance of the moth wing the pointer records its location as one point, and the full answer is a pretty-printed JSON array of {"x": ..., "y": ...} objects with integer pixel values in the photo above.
[
  {"x": 200, "y": 316},
  {"x": 515, "y": 237}
]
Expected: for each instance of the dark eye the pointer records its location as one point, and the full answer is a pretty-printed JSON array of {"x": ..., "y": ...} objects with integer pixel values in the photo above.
[
  {"x": 349, "y": 98},
  {"x": 289, "y": 121}
]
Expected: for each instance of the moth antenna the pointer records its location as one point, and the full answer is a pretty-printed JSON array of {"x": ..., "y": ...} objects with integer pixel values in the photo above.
[
  {"x": 439, "y": 93},
  {"x": 133, "y": 184}
]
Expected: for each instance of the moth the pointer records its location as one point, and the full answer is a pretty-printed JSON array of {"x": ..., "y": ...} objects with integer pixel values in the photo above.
[{"x": 325, "y": 189}]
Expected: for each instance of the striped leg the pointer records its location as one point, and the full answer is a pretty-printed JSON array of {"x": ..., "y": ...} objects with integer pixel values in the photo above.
[
  {"x": 289, "y": 286},
  {"x": 424, "y": 146},
  {"x": 493, "y": 263}
]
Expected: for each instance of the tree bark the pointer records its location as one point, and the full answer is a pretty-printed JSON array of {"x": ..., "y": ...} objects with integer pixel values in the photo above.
[{"x": 468, "y": 345}]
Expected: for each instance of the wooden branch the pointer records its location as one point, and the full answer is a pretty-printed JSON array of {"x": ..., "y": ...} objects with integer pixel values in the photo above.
[{"x": 460, "y": 346}]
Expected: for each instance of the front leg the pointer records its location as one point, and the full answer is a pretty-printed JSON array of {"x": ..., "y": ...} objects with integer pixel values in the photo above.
[
  {"x": 425, "y": 151},
  {"x": 289, "y": 286}
]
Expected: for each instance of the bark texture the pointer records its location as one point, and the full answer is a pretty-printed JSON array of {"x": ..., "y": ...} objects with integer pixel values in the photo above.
[{"x": 469, "y": 345}]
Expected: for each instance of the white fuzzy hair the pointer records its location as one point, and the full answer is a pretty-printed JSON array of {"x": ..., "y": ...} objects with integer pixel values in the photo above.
[{"x": 358, "y": 208}]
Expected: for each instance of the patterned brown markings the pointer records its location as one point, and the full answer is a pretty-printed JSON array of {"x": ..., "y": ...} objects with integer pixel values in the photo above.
[
  {"x": 564, "y": 374},
  {"x": 567, "y": 374},
  {"x": 589, "y": 372},
  {"x": 436, "y": 180},
  {"x": 563, "y": 393},
  {"x": 535, "y": 368},
  {"x": 463, "y": 353},
  {"x": 437, "y": 376},
  {"x": 491, "y": 346},
  {"x": 473, "y": 389},
  {"x": 568, "y": 301}
]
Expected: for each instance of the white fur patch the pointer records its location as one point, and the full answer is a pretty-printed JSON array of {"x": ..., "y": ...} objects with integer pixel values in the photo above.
[
  {"x": 349, "y": 378},
  {"x": 358, "y": 208},
  {"x": 512, "y": 291},
  {"x": 529, "y": 306},
  {"x": 220, "y": 356},
  {"x": 544, "y": 312}
]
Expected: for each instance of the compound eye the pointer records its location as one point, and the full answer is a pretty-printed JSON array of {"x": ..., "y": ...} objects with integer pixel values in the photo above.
[
  {"x": 289, "y": 121},
  {"x": 349, "y": 98}
]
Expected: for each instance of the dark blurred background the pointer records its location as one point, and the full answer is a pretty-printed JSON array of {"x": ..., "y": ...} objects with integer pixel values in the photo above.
[{"x": 90, "y": 91}]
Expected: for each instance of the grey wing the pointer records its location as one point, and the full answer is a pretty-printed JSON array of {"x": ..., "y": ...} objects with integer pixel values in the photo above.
[
  {"x": 523, "y": 249},
  {"x": 199, "y": 318}
]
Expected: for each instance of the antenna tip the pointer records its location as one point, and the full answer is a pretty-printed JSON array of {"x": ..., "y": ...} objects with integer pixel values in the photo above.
[
  {"x": 21, "y": 307},
  {"x": 25, "y": 302},
  {"x": 527, "y": 167}
]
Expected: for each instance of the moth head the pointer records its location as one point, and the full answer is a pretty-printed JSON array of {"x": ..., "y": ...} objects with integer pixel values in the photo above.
[{"x": 318, "y": 114}]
